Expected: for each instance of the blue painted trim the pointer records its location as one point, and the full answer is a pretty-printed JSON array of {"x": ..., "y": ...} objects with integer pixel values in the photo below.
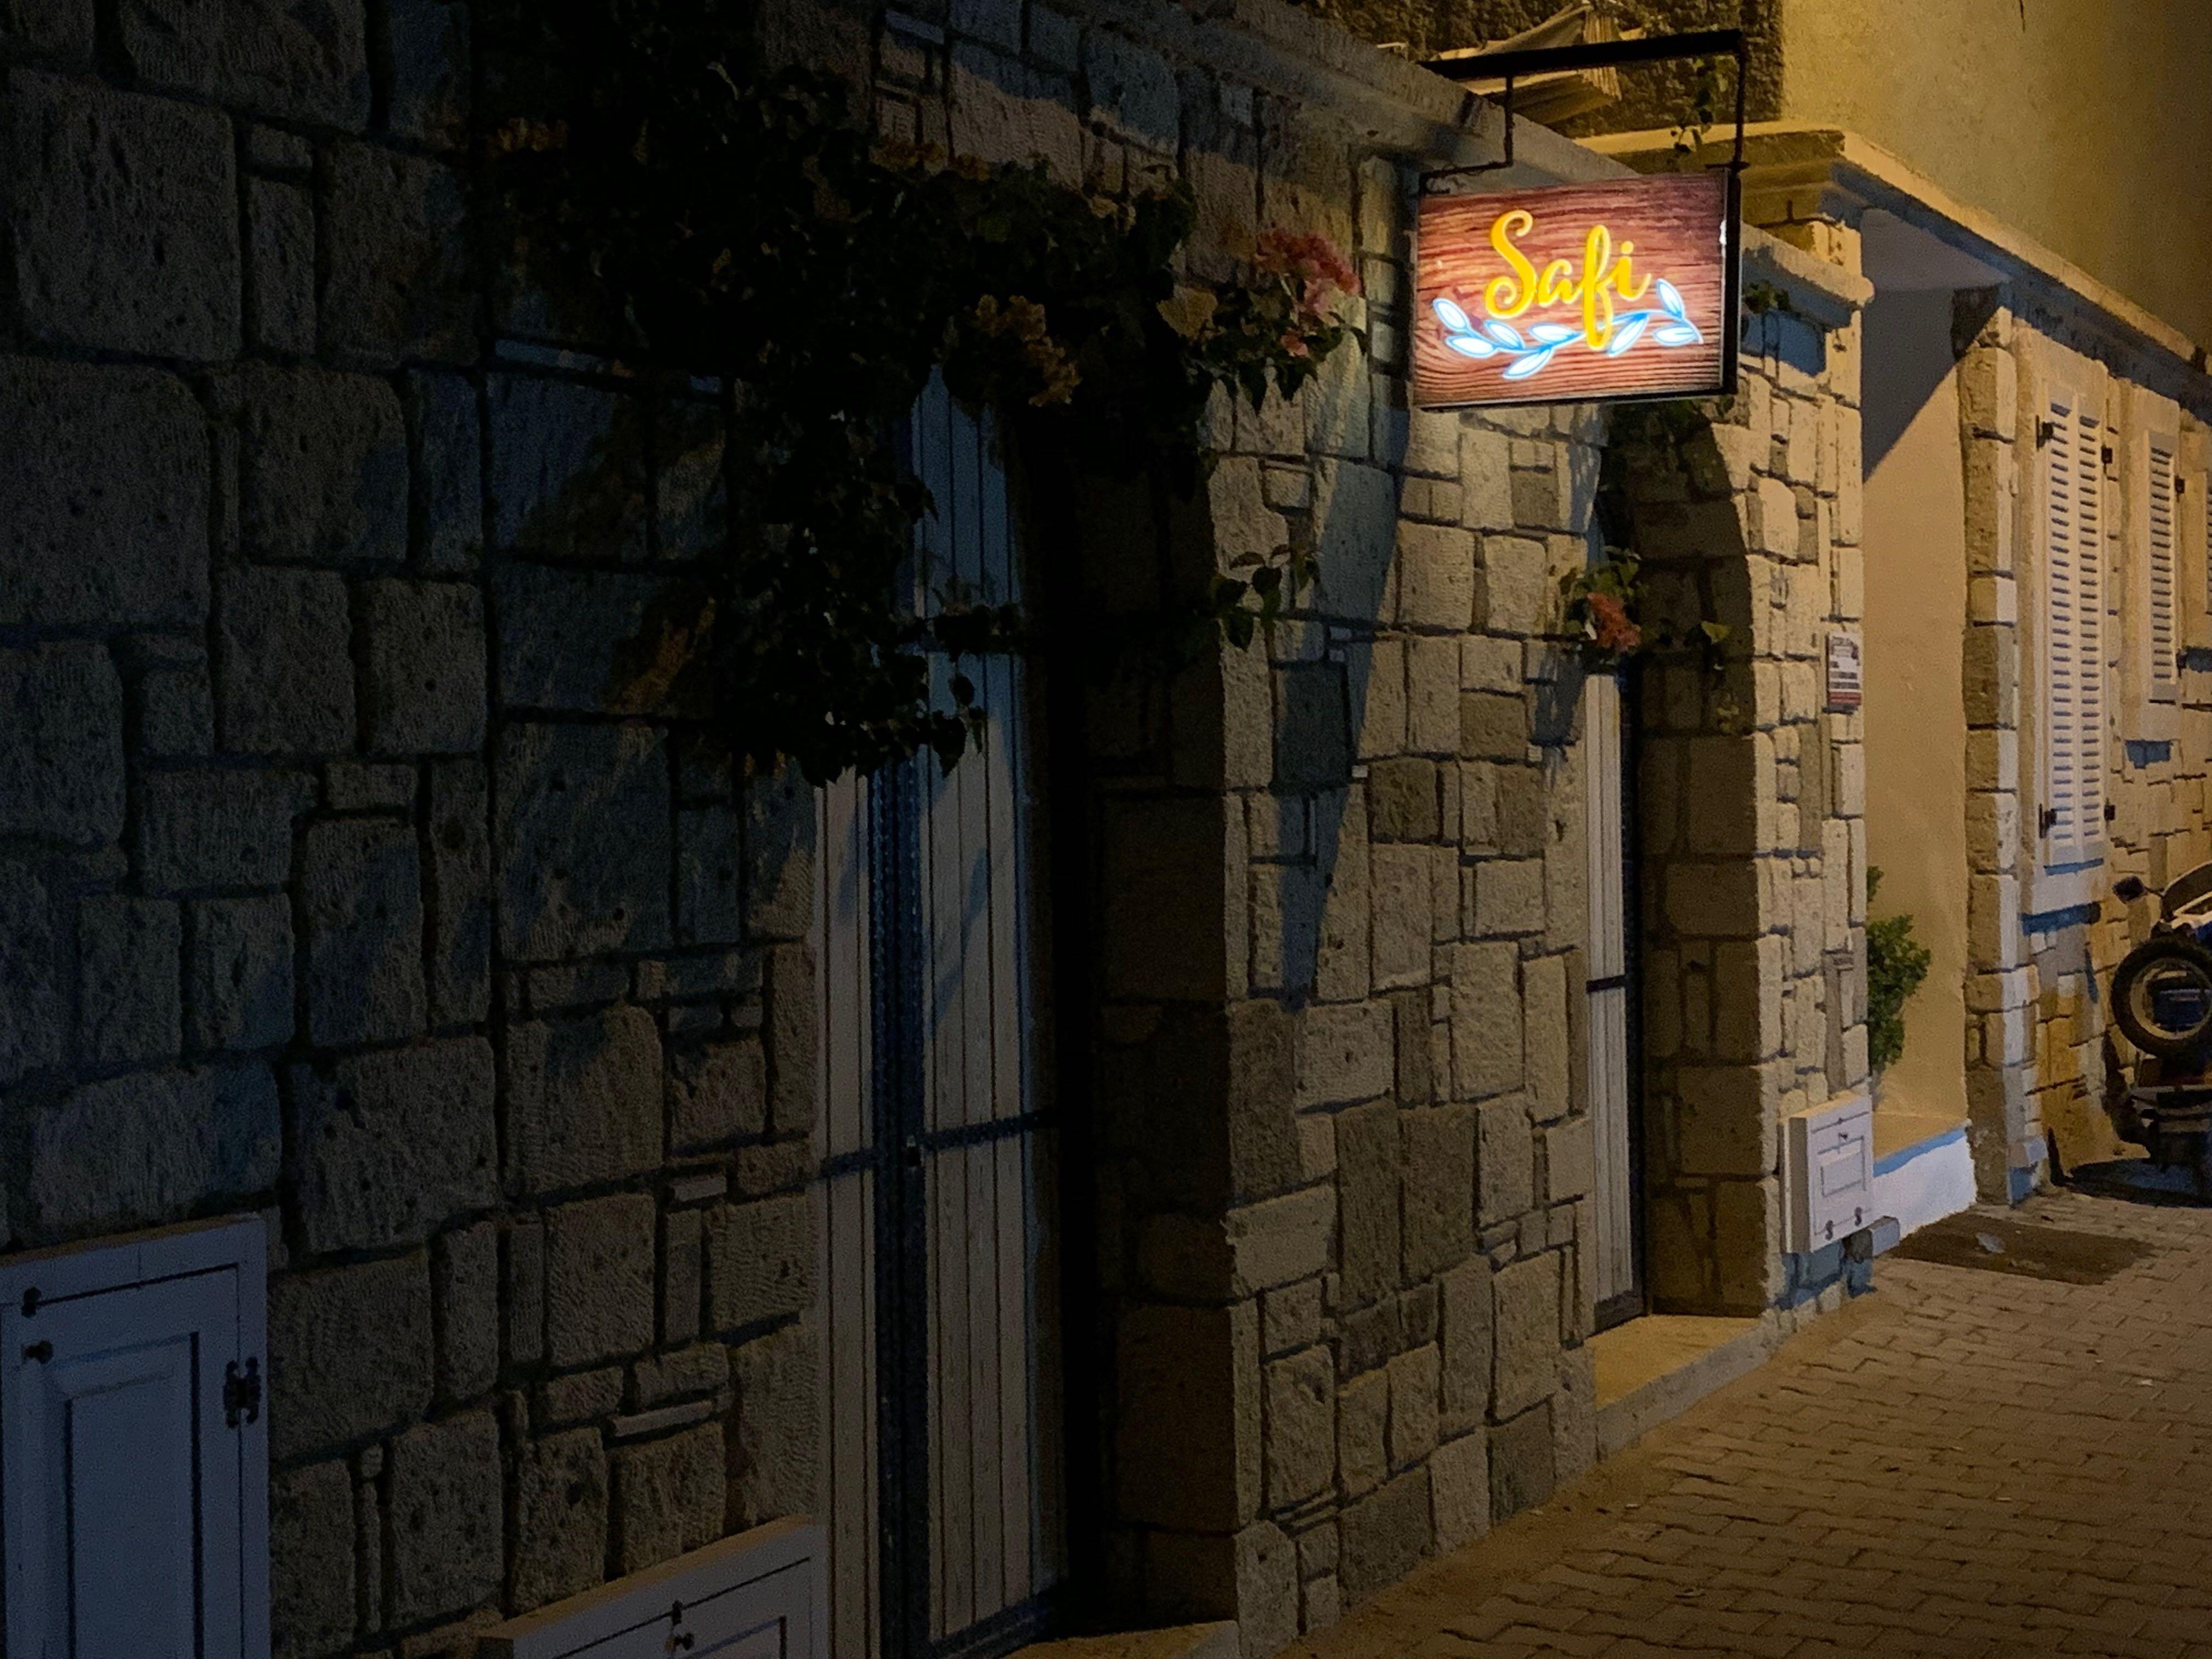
[{"x": 1905, "y": 1155}]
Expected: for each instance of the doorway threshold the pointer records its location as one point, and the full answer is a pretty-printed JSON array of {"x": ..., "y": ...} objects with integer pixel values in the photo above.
[
  {"x": 1211, "y": 1641},
  {"x": 1652, "y": 1369}
]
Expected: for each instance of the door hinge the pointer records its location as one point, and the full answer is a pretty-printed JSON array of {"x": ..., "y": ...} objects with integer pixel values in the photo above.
[
  {"x": 241, "y": 1393},
  {"x": 2112, "y": 811},
  {"x": 2050, "y": 819},
  {"x": 2107, "y": 453},
  {"x": 2044, "y": 432}
]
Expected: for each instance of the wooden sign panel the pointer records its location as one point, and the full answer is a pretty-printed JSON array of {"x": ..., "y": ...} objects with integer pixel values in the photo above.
[{"x": 1576, "y": 292}]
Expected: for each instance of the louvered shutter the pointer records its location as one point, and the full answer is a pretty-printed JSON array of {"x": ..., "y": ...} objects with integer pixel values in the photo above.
[
  {"x": 2162, "y": 552},
  {"x": 2093, "y": 704},
  {"x": 2062, "y": 638}
]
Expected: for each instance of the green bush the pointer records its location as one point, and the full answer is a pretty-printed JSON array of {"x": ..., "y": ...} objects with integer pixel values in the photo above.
[{"x": 1896, "y": 963}]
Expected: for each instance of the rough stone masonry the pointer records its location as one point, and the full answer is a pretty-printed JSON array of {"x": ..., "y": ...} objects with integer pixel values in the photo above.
[{"x": 349, "y": 874}]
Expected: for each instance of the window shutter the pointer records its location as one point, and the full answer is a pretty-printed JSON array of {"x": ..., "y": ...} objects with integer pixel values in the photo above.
[
  {"x": 2164, "y": 553},
  {"x": 2092, "y": 706},
  {"x": 2061, "y": 640}
]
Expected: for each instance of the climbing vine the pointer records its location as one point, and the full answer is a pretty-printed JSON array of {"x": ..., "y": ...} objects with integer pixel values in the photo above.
[{"x": 727, "y": 220}]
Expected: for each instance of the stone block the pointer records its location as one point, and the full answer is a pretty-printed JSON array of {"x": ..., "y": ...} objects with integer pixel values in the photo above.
[
  {"x": 1509, "y": 897},
  {"x": 1161, "y": 858},
  {"x": 1413, "y": 1380},
  {"x": 1439, "y": 1189},
  {"x": 716, "y": 1095},
  {"x": 760, "y": 1261},
  {"x": 396, "y": 283},
  {"x": 599, "y": 1278},
  {"x": 1492, "y": 726},
  {"x": 349, "y": 1353},
  {"x": 1313, "y": 732},
  {"x": 323, "y": 469},
  {"x": 1402, "y": 892},
  {"x": 1544, "y": 995},
  {"x": 1526, "y": 1333},
  {"x": 448, "y": 1533},
  {"x": 34, "y": 1027},
  {"x": 426, "y": 42},
  {"x": 127, "y": 1007},
  {"x": 151, "y": 1147},
  {"x": 176, "y": 713},
  {"x": 1570, "y": 1160},
  {"x": 1468, "y": 1323},
  {"x": 361, "y": 897},
  {"x": 1459, "y": 1490},
  {"x": 1370, "y": 1165},
  {"x": 709, "y": 868},
  {"x": 1386, "y": 1535},
  {"x": 311, "y": 1560},
  {"x": 61, "y": 743},
  {"x": 1301, "y": 1427},
  {"x": 389, "y": 1146},
  {"x": 1133, "y": 90},
  {"x": 443, "y": 428},
  {"x": 1188, "y": 1436},
  {"x": 123, "y": 219},
  {"x": 1345, "y": 1053},
  {"x": 92, "y": 533},
  {"x": 1401, "y": 800},
  {"x": 1432, "y": 710},
  {"x": 459, "y": 968},
  {"x": 584, "y": 1100},
  {"x": 568, "y": 469},
  {"x": 599, "y": 641},
  {"x": 199, "y": 830},
  {"x": 1362, "y": 1421},
  {"x": 1436, "y": 577},
  {"x": 423, "y": 677},
  {"x": 284, "y": 666},
  {"x": 561, "y": 1492},
  {"x": 280, "y": 267},
  {"x": 290, "y": 59},
  {"x": 1487, "y": 1055},
  {"x": 669, "y": 1497},
  {"x": 1522, "y": 1469},
  {"x": 464, "y": 1293},
  {"x": 582, "y": 839},
  {"x": 775, "y": 1454}
]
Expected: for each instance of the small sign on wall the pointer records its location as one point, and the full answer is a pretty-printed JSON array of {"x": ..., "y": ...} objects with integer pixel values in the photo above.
[
  {"x": 1846, "y": 670},
  {"x": 1623, "y": 289}
]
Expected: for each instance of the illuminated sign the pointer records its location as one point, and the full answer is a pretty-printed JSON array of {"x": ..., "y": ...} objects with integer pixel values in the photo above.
[{"x": 1623, "y": 289}]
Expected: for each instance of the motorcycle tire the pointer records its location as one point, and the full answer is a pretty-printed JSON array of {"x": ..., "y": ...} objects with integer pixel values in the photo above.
[{"x": 2167, "y": 952}]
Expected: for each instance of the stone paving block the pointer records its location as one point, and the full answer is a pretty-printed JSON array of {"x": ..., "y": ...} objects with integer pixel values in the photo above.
[
  {"x": 561, "y": 1489},
  {"x": 153, "y": 1146},
  {"x": 423, "y": 675},
  {"x": 311, "y": 1560},
  {"x": 361, "y": 896},
  {"x": 599, "y": 1278},
  {"x": 582, "y": 841},
  {"x": 389, "y": 1146},
  {"x": 669, "y": 1497},
  {"x": 349, "y": 1353},
  {"x": 447, "y": 1532},
  {"x": 124, "y": 219},
  {"x": 61, "y": 743},
  {"x": 128, "y": 1004},
  {"x": 282, "y": 58},
  {"x": 584, "y": 1100},
  {"x": 324, "y": 468},
  {"x": 396, "y": 283},
  {"x": 284, "y": 664}
]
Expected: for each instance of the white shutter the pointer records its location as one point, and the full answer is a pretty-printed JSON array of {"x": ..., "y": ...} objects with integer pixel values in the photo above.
[
  {"x": 2092, "y": 706},
  {"x": 135, "y": 1446},
  {"x": 2162, "y": 558},
  {"x": 2061, "y": 635}
]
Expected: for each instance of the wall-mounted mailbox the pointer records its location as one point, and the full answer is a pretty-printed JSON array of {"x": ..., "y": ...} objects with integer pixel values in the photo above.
[{"x": 1829, "y": 1165}]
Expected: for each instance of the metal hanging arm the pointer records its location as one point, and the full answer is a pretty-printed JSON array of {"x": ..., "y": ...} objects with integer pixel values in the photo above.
[{"x": 1510, "y": 66}]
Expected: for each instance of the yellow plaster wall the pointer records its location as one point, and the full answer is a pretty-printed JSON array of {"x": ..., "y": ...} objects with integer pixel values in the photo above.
[{"x": 2087, "y": 123}]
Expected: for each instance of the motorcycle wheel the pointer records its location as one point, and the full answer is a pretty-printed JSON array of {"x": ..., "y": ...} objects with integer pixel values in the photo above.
[{"x": 2162, "y": 995}]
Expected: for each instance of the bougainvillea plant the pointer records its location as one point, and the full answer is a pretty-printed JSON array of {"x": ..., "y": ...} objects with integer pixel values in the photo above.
[{"x": 721, "y": 219}]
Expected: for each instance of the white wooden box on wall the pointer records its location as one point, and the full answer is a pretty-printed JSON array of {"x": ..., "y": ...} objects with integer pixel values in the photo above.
[
  {"x": 1828, "y": 1168},
  {"x": 761, "y": 1594},
  {"x": 134, "y": 1450}
]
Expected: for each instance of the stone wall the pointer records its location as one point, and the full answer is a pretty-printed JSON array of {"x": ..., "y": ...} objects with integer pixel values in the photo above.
[{"x": 356, "y": 871}]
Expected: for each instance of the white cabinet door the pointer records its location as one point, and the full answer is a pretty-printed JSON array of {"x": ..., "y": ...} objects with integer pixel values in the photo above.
[{"x": 136, "y": 1463}]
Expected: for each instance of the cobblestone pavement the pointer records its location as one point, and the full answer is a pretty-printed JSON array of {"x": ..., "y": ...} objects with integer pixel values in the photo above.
[{"x": 1963, "y": 1464}]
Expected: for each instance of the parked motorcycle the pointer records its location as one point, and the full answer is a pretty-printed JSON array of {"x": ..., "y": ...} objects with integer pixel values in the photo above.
[{"x": 2162, "y": 1002}]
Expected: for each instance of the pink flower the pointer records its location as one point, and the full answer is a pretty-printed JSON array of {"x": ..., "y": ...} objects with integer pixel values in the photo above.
[
  {"x": 1295, "y": 343},
  {"x": 1614, "y": 631}
]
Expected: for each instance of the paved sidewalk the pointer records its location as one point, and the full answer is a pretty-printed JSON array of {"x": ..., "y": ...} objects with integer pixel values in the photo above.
[{"x": 1963, "y": 1464}]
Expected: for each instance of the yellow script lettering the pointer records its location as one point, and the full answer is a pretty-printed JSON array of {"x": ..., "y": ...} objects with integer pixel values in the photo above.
[
  {"x": 1605, "y": 276},
  {"x": 1509, "y": 296}
]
